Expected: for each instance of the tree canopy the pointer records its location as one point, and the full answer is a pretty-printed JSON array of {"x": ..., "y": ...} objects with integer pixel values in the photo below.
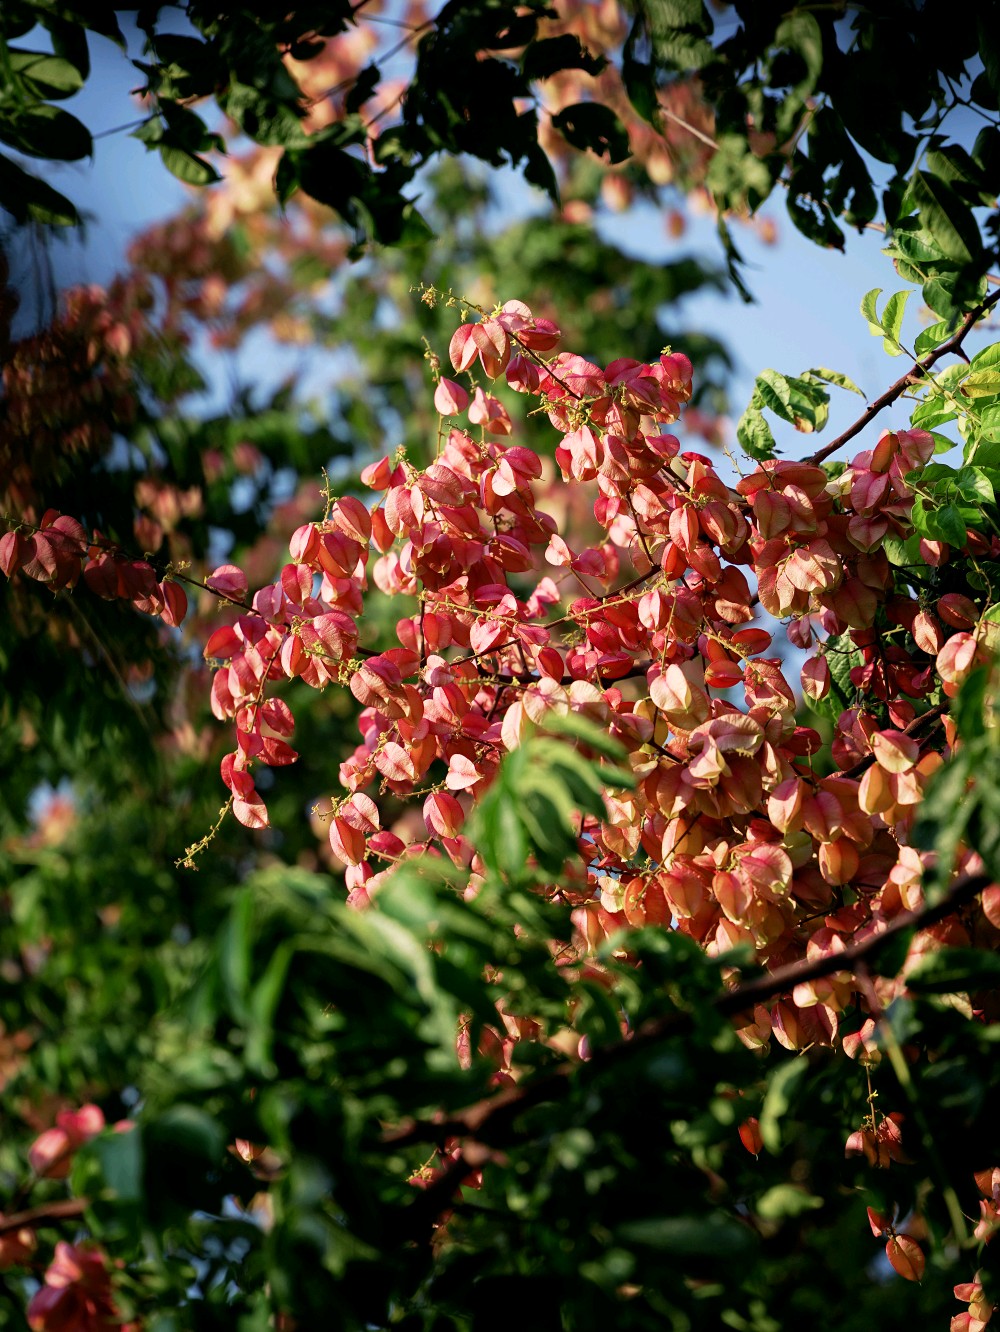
[
  {"x": 859, "y": 112},
  {"x": 618, "y": 942}
]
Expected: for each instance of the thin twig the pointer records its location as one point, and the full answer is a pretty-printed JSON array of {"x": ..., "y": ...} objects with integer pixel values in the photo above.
[
  {"x": 120, "y": 129},
  {"x": 925, "y": 719},
  {"x": 706, "y": 139},
  {"x": 140, "y": 709}
]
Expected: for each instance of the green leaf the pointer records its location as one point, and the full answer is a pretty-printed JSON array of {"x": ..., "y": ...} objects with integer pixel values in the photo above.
[
  {"x": 589, "y": 125},
  {"x": 974, "y": 485},
  {"x": 47, "y": 76},
  {"x": 982, "y": 384},
  {"x": 185, "y": 129},
  {"x": 783, "y": 1088},
  {"x": 951, "y": 294},
  {"x": 168, "y": 1322},
  {"x": 691, "y": 14},
  {"x": 264, "y": 1002},
  {"x": 835, "y": 377},
  {"x": 776, "y": 393},
  {"x": 189, "y": 68},
  {"x": 987, "y": 359},
  {"x": 736, "y": 176},
  {"x": 678, "y": 29},
  {"x": 183, "y": 1150},
  {"x": 812, "y": 217},
  {"x": 929, "y": 338},
  {"x": 786, "y": 1200},
  {"x": 25, "y": 196},
  {"x": 48, "y": 132},
  {"x": 933, "y": 474},
  {"x": 551, "y": 55},
  {"x": 637, "y": 76},
  {"x": 969, "y": 706},
  {"x": 235, "y": 952},
  {"x": 577, "y": 727},
  {"x": 363, "y": 89},
  {"x": 935, "y": 410},
  {"x": 982, "y": 94},
  {"x": 69, "y": 39},
  {"x": 986, "y": 149},
  {"x": 547, "y": 816},
  {"x": 892, "y": 321},
  {"x": 810, "y": 402},
  {"x": 188, "y": 167},
  {"x": 120, "y": 1157},
  {"x": 870, "y": 311},
  {"x": 944, "y": 216},
  {"x": 599, "y": 1019},
  {"x": 951, "y": 376},
  {"x": 688, "y": 1236},
  {"x": 951, "y": 970},
  {"x": 902, "y": 553},
  {"x": 942, "y": 819},
  {"x": 263, "y": 118},
  {"x": 499, "y": 832},
  {"x": 952, "y": 164},
  {"x": 947, "y": 524},
  {"x": 754, "y": 434},
  {"x": 942, "y": 444},
  {"x": 889, "y": 959},
  {"x": 734, "y": 260},
  {"x": 989, "y": 433},
  {"x": 801, "y": 33}
]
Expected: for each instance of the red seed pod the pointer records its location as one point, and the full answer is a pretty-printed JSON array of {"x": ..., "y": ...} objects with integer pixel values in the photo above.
[
  {"x": 816, "y": 678},
  {"x": 957, "y": 611},
  {"x": 750, "y": 1136},
  {"x": 906, "y": 1256},
  {"x": 13, "y": 548}
]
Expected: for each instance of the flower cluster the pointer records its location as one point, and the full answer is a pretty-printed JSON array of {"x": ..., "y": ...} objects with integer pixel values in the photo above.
[
  {"x": 656, "y": 619},
  {"x": 76, "y": 1295}
]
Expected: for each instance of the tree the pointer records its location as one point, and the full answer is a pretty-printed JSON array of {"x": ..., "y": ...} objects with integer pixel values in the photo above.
[
  {"x": 634, "y": 950},
  {"x": 783, "y": 98}
]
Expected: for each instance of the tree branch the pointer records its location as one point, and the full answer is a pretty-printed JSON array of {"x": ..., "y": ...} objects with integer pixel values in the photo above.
[
  {"x": 490, "y": 1121},
  {"x": 53, "y": 1211},
  {"x": 914, "y": 376},
  {"x": 925, "y": 719}
]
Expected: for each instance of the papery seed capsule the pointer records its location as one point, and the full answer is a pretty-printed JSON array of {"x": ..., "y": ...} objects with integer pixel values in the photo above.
[{"x": 750, "y": 1136}]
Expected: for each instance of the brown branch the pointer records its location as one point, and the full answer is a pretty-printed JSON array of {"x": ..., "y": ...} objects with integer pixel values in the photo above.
[
  {"x": 925, "y": 719},
  {"x": 532, "y": 677},
  {"x": 491, "y": 1120},
  {"x": 53, "y": 1211},
  {"x": 745, "y": 996},
  {"x": 914, "y": 376}
]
